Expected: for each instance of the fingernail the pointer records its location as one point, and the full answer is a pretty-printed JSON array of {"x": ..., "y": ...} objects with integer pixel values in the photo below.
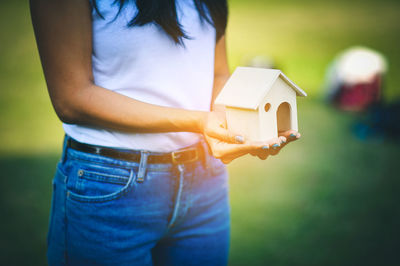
[
  {"x": 298, "y": 136},
  {"x": 275, "y": 146},
  {"x": 265, "y": 147},
  {"x": 239, "y": 139},
  {"x": 293, "y": 135}
]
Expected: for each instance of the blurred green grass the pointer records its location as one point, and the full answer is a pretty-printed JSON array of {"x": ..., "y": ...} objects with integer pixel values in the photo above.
[
  {"x": 329, "y": 199},
  {"x": 303, "y": 37}
]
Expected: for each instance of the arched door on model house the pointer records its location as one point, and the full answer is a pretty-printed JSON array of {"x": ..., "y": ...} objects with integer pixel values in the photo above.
[{"x": 283, "y": 116}]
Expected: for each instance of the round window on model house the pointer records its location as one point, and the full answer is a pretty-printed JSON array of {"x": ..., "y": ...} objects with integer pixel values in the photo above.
[{"x": 267, "y": 106}]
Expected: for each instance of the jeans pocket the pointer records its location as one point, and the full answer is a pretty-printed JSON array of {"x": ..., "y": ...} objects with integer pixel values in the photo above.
[{"x": 97, "y": 183}]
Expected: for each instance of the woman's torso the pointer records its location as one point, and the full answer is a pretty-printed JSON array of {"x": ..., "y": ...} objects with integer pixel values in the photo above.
[{"x": 144, "y": 63}]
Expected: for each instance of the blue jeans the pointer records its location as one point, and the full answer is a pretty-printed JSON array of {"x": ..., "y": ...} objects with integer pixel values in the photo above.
[{"x": 102, "y": 215}]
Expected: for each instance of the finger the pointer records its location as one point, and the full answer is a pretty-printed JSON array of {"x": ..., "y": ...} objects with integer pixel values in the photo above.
[
  {"x": 226, "y": 160},
  {"x": 276, "y": 145},
  {"x": 229, "y": 152},
  {"x": 263, "y": 148},
  {"x": 276, "y": 148},
  {"x": 255, "y": 148},
  {"x": 225, "y": 135},
  {"x": 229, "y": 158},
  {"x": 290, "y": 135},
  {"x": 236, "y": 150},
  {"x": 283, "y": 142},
  {"x": 220, "y": 148},
  {"x": 254, "y": 153},
  {"x": 262, "y": 153}
]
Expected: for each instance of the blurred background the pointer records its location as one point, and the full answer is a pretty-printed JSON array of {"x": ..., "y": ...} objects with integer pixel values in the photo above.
[{"x": 331, "y": 198}]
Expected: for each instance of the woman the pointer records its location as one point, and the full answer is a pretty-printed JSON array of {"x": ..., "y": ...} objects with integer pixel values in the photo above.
[{"x": 133, "y": 83}]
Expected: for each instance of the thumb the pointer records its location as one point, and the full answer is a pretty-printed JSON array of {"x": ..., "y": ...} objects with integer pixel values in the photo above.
[{"x": 225, "y": 135}]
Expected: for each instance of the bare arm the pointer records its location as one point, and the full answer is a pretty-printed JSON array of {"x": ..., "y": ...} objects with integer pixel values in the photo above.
[
  {"x": 64, "y": 37},
  {"x": 221, "y": 69}
]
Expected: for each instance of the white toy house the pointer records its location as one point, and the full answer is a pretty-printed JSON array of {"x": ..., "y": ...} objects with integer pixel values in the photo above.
[{"x": 260, "y": 102}]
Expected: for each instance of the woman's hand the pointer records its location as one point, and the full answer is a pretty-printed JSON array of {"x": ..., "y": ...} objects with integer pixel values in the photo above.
[{"x": 227, "y": 145}]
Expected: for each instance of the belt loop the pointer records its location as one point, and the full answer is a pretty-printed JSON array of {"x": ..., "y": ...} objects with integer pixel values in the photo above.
[
  {"x": 65, "y": 148},
  {"x": 142, "y": 166}
]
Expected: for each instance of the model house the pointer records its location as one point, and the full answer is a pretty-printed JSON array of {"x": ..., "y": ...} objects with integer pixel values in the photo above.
[{"x": 260, "y": 102}]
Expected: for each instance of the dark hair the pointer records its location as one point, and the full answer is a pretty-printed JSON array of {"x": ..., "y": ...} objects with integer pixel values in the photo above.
[{"x": 163, "y": 13}]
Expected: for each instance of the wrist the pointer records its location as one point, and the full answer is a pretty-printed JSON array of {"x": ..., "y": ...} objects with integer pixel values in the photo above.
[{"x": 201, "y": 121}]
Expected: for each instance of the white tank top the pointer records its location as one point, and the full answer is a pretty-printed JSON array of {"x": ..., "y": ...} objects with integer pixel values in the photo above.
[{"x": 145, "y": 64}]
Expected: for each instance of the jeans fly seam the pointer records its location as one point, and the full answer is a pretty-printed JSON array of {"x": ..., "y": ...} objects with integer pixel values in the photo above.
[
  {"x": 190, "y": 197},
  {"x": 178, "y": 196}
]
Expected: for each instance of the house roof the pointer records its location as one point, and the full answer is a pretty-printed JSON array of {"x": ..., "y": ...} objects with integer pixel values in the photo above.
[{"x": 247, "y": 87}]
